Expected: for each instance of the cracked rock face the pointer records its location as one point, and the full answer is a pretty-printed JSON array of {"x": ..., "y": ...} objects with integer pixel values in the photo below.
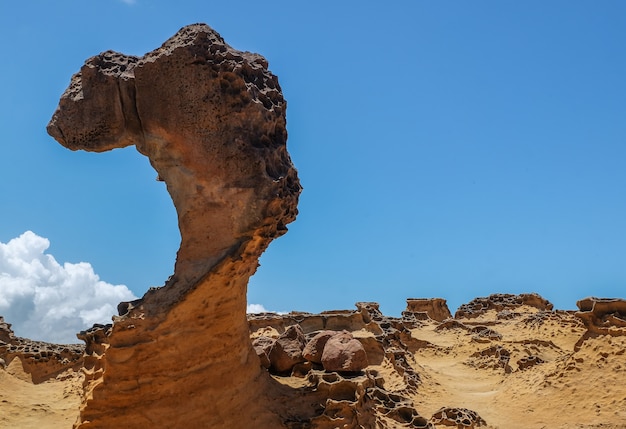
[{"x": 211, "y": 120}]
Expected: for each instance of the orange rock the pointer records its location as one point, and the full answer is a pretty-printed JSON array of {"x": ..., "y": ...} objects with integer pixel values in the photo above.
[{"x": 211, "y": 120}]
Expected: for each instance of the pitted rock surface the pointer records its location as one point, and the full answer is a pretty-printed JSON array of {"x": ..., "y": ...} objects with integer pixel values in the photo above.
[
  {"x": 604, "y": 316},
  {"x": 40, "y": 360},
  {"x": 461, "y": 418},
  {"x": 433, "y": 308},
  {"x": 500, "y": 302},
  {"x": 211, "y": 120}
]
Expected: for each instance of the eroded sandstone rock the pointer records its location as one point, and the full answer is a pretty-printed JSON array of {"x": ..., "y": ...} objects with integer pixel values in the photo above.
[
  {"x": 263, "y": 346},
  {"x": 315, "y": 347},
  {"x": 501, "y": 301},
  {"x": 434, "y": 308},
  {"x": 211, "y": 120},
  {"x": 286, "y": 352},
  {"x": 603, "y": 315},
  {"x": 39, "y": 359},
  {"x": 462, "y": 418},
  {"x": 343, "y": 353}
]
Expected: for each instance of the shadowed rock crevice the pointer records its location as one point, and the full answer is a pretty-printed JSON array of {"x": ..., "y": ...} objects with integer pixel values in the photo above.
[{"x": 211, "y": 120}]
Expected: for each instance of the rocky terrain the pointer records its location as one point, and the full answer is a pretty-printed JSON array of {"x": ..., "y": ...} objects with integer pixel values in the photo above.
[
  {"x": 212, "y": 121},
  {"x": 503, "y": 361}
]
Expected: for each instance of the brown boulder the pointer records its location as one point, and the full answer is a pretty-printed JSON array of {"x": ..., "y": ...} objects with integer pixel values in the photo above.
[
  {"x": 344, "y": 353},
  {"x": 262, "y": 346},
  {"x": 287, "y": 350},
  {"x": 315, "y": 347}
]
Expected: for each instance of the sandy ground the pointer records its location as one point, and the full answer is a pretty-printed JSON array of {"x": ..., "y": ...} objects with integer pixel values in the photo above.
[
  {"x": 575, "y": 385},
  {"x": 49, "y": 405},
  {"x": 582, "y": 389}
]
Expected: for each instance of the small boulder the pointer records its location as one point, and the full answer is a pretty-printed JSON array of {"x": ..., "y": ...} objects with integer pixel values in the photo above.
[
  {"x": 315, "y": 347},
  {"x": 287, "y": 350},
  {"x": 262, "y": 346},
  {"x": 344, "y": 353}
]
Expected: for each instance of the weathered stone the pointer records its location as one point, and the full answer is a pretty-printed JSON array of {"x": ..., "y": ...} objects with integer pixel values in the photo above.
[
  {"x": 501, "y": 301},
  {"x": 343, "y": 352},
  {"x": 529, "y": 361},
  {"x": 603, "y": 316},
  {"x": 211, "y": 120},
  {"x": 315, "y": 347},
  {"x": 435, "y": 308},
  {"x": 461, "y": 418},
  {"x": 286, "y": 351},
  {"x": 40, "y": 360},
  {"x": 262, "y": 346}
]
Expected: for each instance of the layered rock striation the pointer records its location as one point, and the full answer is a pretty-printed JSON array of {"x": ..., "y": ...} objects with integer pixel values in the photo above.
[{"x": 211, "y": 120}]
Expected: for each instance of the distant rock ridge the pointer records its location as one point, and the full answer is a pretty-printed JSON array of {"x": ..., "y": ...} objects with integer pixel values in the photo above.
[
  {"x": 387, "y": 367},
  {"x": 39, "y": 359},
  {"x": 501, "y": 301}
]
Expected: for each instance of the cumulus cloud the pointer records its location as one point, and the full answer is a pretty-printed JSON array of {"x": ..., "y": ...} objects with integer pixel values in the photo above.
[
  {"x": 47, "y": 301},
  {"x": 256, "y": 308},
  {"x": 259, "y": 308}
]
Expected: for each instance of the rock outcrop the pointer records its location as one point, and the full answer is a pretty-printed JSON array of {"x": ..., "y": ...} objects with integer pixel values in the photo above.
[
  {"x": 462, "y": 418},
  {"x": 344, "y": 353},
  {"x": 433, "y": 308},
  {"x": 39, "y": 359},
  {"x": 605, "y": 316},
  {"x": 500, "y": 302},
  {"x": 211, "y": 120}
]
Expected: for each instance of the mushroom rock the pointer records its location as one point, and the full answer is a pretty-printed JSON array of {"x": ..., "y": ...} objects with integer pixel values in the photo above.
[{"x": 211, "y": 120}]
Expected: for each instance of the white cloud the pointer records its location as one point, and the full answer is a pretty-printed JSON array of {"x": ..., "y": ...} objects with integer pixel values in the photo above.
[
  {"x": 256, "y": 308},
  {"x": 259, "y": 308},
  {"x": 47, "y": 301},
  {"x": 129, "y": 1}
]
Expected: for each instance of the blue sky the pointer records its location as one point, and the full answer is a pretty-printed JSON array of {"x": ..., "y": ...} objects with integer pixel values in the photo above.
[{"x": 449, "y": 148}]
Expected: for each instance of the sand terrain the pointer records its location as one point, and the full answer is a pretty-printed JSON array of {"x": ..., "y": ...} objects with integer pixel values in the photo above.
[
  {"x": 522, "y": 369},
  {"x": 570, "y": 389},
  {"x": 49, "y": 405}
]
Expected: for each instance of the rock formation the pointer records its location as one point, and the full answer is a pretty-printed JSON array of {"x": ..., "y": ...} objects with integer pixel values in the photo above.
[
  {"x": 434, "y": 308},
  {"x": 40, "y": 360},
  {"x": 501, "y": 301},
  {"x": 605, "y": 316},
  {"x": 500, "y": 369},
  {"x": 211, "y": 120}
]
